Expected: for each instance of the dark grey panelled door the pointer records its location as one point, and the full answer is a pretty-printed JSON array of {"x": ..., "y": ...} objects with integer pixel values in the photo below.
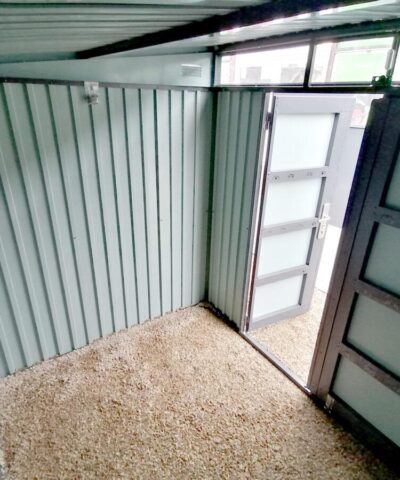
[
  {"x": 356, "y": 364},
  {"x": 306, "y": 136}
]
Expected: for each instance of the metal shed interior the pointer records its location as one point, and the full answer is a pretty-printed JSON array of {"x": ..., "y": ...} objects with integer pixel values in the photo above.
[{"x": 116, "y": 212}]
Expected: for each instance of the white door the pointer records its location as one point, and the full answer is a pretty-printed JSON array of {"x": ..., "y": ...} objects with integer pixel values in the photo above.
[{"x": 305, "y": 139}]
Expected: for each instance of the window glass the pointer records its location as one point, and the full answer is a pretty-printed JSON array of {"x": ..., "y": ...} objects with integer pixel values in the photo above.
[
  {"x": 351, "y": 61},
  {"x": 283, "y": 66}
]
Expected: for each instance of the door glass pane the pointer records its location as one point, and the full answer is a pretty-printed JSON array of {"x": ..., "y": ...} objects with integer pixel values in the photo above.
[
  {"x": 301, "y": 140},
  {"x": 289, "y": 201},
  {"x": 375, "y": 331},
  {"x": 370, "y": 398},
  {"x": 286, "y": 250},
  {"x": 277, "y": 296},
  {"x": 351, "y": 61},
  {"x": 284, "y": 65},
  {"x": 383, "y": 267},
  {"x": 393, "y": 195}
]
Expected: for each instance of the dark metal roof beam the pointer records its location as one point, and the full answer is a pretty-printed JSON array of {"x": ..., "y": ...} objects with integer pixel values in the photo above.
[{"x": 242, "y": 17}]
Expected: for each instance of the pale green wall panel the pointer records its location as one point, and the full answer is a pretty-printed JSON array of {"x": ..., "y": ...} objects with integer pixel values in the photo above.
[
  {"x": 238, "y": 136},
  {"x": 150, "y": 70},
  {"x": 87, "y": 204}
]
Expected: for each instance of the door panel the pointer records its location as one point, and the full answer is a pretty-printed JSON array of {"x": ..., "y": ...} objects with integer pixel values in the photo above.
[
  {"x": 304, "y": 146},
  {"x": 356, "y": 364}
]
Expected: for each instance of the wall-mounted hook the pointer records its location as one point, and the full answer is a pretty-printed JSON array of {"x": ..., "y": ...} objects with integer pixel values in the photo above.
[{"x": 92, "y": 92}]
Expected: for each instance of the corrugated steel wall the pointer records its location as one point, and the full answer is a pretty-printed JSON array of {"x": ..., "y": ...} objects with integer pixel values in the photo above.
[
  {"x": 103, "y": 213},
  {"x": 239, "y": 121}
]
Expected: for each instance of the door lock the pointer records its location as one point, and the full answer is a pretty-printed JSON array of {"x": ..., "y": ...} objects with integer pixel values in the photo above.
[{"x": 323, "y": 221}]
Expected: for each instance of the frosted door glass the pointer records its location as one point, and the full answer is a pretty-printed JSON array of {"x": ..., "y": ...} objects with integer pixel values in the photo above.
[
  {"x": 370, "y": 398},
  {"x": 375, "y": 331},
  {"x": 301, "y": 140},
  {"x": 288, "y": 250},
  {"x": 277, "y": 296},
  {"x": 393, "y": 195},
  {"x": 289, "y": 201},
  {"x": 383, "y": 267}
]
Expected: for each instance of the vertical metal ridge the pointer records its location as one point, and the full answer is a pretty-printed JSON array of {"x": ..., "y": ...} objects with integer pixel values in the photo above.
[
  {"x": 116, "y": 203},
  {"x": 235, "y": 281},
  {"x": 19, "y": 331},
  {"x": 223, "y": 212},
  {"x": 220, "y": 162},
  {"x": 211, "y": 196},
  {"x": 102, "y": 222},
  {"x": 194, "y": 189},
  {"x": 231, "y": 213},
  {"x": 239, "y": 181},
  {"x": 144, "y": 197},
  {"x": 5, "y": 353},
  {"x": 68, "y": 213},
  {"x": 129, "y": 167},
  {"x": 32, "y": 296},
  {"x": 176, "y": 194},
  {"x": 43, "y": 258},
  {"x": 25, "y": 348},
  {"x": 182, "y": 185},
  {"x": 54, "y": 225},
  {"x": 80, "y": 159},
  {"x": 214, "y": 194},
  {"x": 170, "y": 193},
  {"x": 156, "y": 157}
]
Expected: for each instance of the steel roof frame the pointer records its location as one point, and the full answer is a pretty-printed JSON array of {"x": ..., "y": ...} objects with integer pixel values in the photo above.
[{"x": 241, "y": 17}]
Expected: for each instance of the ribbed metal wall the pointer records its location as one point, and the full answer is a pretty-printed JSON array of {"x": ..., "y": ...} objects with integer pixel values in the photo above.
[
  {"x": 239, "y": 121},
  {"x": 103, "y": 213}
]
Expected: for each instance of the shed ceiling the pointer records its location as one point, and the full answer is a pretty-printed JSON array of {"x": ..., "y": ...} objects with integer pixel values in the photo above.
[
  {"x": 55, "y": 29},
  {"x": 352, "y": 15}
]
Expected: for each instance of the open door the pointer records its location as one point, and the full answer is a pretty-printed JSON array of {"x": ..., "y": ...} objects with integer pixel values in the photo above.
[
  {"x": 306, "y": 134},
  {"x": 356, "y": 367}
]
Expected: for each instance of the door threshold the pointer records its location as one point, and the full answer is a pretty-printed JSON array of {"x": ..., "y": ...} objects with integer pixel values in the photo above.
[{"x": 277, "y": 362}]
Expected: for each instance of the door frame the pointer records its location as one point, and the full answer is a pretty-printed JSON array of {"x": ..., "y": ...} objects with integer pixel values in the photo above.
[
  {"x": 320, "y": 378},
  {"x": 281, "y": 104}
]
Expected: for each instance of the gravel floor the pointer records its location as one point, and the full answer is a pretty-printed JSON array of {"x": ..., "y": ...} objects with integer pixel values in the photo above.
[
  {"x": 293, "y": 340},
  {"x": 182, "y": 397}
]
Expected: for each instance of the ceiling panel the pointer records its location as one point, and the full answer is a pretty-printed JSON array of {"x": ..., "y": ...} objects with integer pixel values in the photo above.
[
  {"x": 46, "y": 27},
  {"x": 373, "y": 11},
  {"x": 55, "y": 29}
]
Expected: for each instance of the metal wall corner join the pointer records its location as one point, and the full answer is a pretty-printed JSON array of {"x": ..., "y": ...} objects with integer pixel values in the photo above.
[{"x": 92, "y": 92}]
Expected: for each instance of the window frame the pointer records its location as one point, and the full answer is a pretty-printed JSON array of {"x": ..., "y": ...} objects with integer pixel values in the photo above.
[{"x": 312, "y": 42}]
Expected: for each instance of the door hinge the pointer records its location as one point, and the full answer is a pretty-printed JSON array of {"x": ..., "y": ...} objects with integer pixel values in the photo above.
[
  {"x": 247, "y": 322},
  {"x": 329, "y": 402},
  {"x": 268, "y": 120}
]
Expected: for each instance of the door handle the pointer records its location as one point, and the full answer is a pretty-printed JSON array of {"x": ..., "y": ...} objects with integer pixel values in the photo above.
[{"x": 323, "y": 221}]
